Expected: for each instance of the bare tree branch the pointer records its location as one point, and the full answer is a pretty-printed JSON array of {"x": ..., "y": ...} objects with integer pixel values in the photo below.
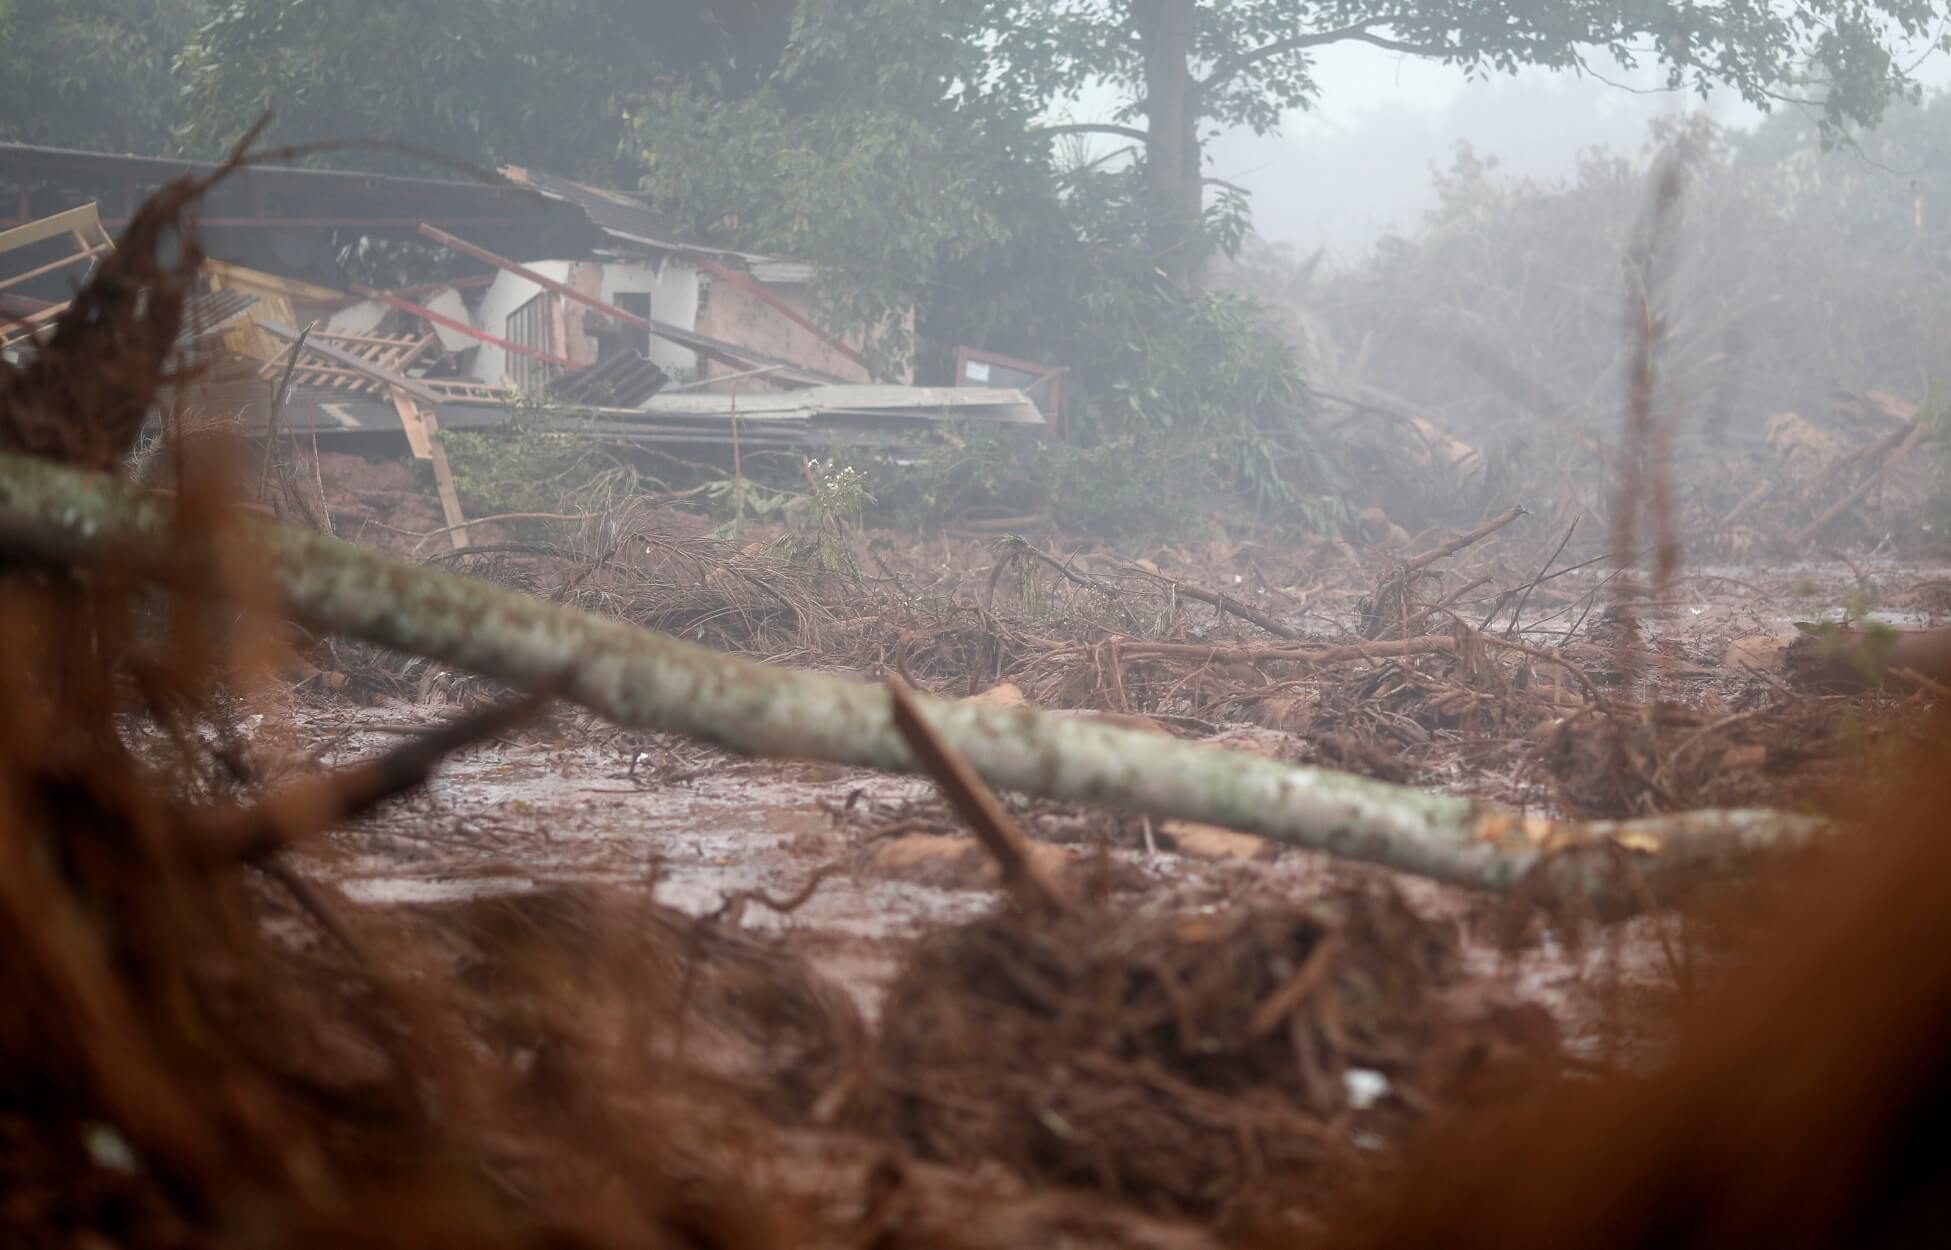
[
  {"x": 1361, "y": 32},
  {"x": 1094, "y": 128}
]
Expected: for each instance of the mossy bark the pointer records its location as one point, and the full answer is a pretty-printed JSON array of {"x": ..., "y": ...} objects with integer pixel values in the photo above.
[{"x": 640, "y": 678}]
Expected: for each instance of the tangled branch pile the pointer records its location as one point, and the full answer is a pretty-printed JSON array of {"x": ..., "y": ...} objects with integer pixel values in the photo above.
[
  {"x": 206, "y": 1049},
  {"x": 1191, "y": 1064}
]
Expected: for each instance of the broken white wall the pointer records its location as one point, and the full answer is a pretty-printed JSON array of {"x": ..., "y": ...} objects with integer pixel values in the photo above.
[
  {"x": 673, "y": 287},
  {"x": 447, "y": 301},
  {"x": 503, "y": 296},
  {"x": 360, "y": 318}
]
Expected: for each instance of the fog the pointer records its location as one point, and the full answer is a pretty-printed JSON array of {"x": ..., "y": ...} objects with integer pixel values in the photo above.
[
  {"x": 1357, "y": 165},
  {"x": 632, "y": 625}
]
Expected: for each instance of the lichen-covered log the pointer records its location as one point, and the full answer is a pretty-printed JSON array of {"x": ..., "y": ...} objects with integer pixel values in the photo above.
[{"x": 639, "y": 678}]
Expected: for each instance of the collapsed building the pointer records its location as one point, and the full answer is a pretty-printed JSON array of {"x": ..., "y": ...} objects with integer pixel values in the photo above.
[{"x": 579, "y": 306}]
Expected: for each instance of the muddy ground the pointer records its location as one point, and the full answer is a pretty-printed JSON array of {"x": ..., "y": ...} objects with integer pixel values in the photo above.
[
  {"x": 850, "y": 868},
  {"x": 586, "y": 987}
]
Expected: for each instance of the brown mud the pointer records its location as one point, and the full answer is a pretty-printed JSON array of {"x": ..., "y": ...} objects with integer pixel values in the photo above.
[{"x": 310, "y": 944}]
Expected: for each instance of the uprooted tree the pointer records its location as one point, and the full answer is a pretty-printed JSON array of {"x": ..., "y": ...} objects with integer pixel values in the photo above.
[{"x": 66, "y": 518}]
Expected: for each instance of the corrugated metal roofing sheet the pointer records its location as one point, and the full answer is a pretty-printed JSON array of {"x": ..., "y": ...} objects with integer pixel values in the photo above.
[
  {"x": 210, "y": 312},
  {"x": 630, "y": 220},
  {"x": 891, "y": 416}
]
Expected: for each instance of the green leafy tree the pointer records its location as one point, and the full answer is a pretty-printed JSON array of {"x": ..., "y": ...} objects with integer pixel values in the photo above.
[
  {"x": 896, "y": 149},
  {"x": 1886, "y": 190},
  {"x": 92, "y": 74},
  {"x": 875, "y": 149},
  {"x": 432, "y": 72},
  {"x": 528, "y": 81},
  {"x": 1190, "y": 67}
]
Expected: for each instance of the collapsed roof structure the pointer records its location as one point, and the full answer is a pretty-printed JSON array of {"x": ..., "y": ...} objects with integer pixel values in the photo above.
[{"x": 582, "y": 298}]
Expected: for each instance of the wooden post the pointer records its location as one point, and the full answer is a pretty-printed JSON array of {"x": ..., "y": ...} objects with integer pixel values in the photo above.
[{"x": 450, "y": 499}]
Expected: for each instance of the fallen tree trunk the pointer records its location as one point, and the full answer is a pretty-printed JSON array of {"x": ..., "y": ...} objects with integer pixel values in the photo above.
[
  {"x": 1867, "y": 658},
  {"x": 61, "y": 516}
]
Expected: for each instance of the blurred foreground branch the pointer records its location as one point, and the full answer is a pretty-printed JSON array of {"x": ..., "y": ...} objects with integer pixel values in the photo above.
[{"x": 55, "y": 515}]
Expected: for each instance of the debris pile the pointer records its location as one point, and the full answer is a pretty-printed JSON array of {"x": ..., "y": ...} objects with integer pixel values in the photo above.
[
  {"x": 564, "y": 338},
  {"x": 212, "y": 1045},
  {"x": 1797, "y": 1107},
  {"x": 1190, "y": 1064}
]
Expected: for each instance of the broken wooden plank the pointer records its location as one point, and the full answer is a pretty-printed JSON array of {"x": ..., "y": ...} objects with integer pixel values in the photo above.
[
  {"x": 450, "y": 499},
  {"x": 88, "y": 252},
  {"x": 84, "y": 224},
  {"x": 392, "y": 352},
  {"x": 345, "y": 359},
  {"x": 412, "y": 351},
  {"x": 345, "y": 379},
  {"x": 278, "y": 301},
  {"x": 73, "y": 220},
  {"x": 269, "y": 284},
  {"x": 317, "y": 376},
  {"x": 414, "y": 422}
]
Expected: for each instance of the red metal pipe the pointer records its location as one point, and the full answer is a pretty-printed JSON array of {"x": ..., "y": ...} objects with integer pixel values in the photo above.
[
  {"x": 704, "y": 345},
  {"x": 756, "y": 290},
  {"x": 548, "y": 284},
  {"x": 428, "y": 314}
]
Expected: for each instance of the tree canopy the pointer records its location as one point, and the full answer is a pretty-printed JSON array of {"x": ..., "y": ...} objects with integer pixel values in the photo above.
[
  {"x": 1187, "y": 68},
  {"x": 91, "y": 74},
  {"x": 915, "y": 151},
  {"x": 529, "y": 81}
]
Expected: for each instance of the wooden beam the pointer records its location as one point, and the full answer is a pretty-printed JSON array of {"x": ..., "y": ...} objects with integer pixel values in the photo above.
[
  {"x": 33, "y": 325},
  {"x": 257, "y": 280},
  {"x": 450, "y": 499},
  {"x": 414, "y": 422},
  {"x": 346, "y": 360},
  {"x": 87, "y": 253},
  {"x": 413, "y": 352},
  {"x": 75, "y": 219}
]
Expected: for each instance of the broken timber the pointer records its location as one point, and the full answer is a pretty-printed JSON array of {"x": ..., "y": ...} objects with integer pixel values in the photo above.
[
  {"x": 65, "y": 517},
  {"x": 414, "y": 422},
  {"x": 357, "y": 364},
  {"x": 421, "y": 427},
  {"x": 84, "y": 225},
  {"x": 450, "y": 498}
]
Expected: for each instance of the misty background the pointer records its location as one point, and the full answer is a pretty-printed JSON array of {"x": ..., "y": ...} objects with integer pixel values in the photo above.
[
  {"x": 1358, "y": 164},
  {"x": 1452, "y": 252}
]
